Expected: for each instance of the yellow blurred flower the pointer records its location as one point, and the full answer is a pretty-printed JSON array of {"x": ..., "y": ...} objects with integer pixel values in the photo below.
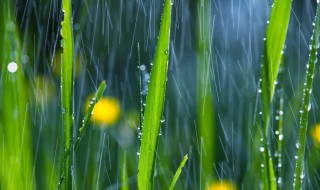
[
  {"x": 315, "y": 134},
  {"x": 106, "y": 111},
  {"x": 222, "y": 185},
  {"x": 56, "y": 65}
]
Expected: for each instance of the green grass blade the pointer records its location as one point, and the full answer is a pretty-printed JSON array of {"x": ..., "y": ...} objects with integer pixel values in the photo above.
[
  {"x": 178, "y": 172},
  {"x": 16, "y": 170},
  {"x": 66, "y": 87},
  {"x": 274, "y": 43},
  {"x": 124, "y": 170},
  {"x": 88, "y": 114},
  {"x": 154, "y": 103},
  {"x": 85, "y": 121},
  {"x": 206, "y": 116},
  {"x": 299, "y": 174}
]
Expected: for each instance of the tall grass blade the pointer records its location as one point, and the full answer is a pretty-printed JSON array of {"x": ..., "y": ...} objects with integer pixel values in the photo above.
[
  {"x": 274, "y": 43},
  {"x": 154, "y": 103},
  {"x": 16, "y": 169},
  {"x": 206, "y": 121},
  {"x": 299, "y": 173},
  {"x": 178, "y": 172},
  {"x": 66, "y": 87}
]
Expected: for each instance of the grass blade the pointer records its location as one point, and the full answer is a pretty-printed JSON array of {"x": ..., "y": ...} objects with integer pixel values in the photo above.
[
  {"x": 124, "y": 170},
  {"x": 16, "y": 170},
  {"x": 178, "y": 172},
  {"x": 66, "y": 87},
  {"x": 88, "y": 114},
  {"x": 154, "y": 103},
  {"x": 274, "y": 43},
  {"x": 299, "y": 175},
  {"x": 206, "y": 121},
  {"x": 85, "y": 121}
]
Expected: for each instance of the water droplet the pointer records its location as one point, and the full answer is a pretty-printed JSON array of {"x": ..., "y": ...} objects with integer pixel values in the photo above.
[
  {"x": 280, "y": 137},
  {"x": 12, "y": 67},
  {"x": 280, "y": 112},
  {"x": 166, "y": 52},
  {"x": 261, "y": 149},
  {"x": 142, "y": 67}
]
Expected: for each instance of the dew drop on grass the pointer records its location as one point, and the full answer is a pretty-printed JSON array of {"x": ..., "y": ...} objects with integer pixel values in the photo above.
[
  {"x": 261, "y": 149},
  {"x": 12, "y": 67},
  {"x": 280, "y": 137},
  {"x": 142, "y": 67}
]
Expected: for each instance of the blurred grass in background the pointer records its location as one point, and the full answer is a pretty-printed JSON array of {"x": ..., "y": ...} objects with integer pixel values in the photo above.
[{"x": 105, "y": 36}]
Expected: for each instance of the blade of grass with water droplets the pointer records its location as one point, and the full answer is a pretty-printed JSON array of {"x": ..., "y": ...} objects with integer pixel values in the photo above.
[
  {"x": 178, "y": 172},
  {"x": 299, "y": 175},
  {"x": 154, "y": 103},
  {"x": 273, "y": 46},
  {"x": 66, "y": 88},
  {"x": 85, "y": 122},
  {"x": 88, "y": 114}
]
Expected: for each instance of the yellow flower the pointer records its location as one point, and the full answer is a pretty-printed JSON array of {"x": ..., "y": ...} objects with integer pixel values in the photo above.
[
  {"x": 106, "y": 111},
  {"x": 315, "y": 134},
  {"x": 222, "y": 185}
]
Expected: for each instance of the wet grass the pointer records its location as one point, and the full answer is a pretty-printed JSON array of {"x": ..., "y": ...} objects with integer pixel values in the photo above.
[
  {"x": 56, "y": 140},
  {"x": 66, "y": 89},
  {"x": 273, "y": 51},
  {"x": 154, "y": 103},
  {"x": 306, "y": 106}
]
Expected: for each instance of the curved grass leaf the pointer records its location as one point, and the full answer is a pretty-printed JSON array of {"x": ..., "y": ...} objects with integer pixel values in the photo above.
[
  {"x": 274, "y": 43},
  {"x": 178, "y": 172},
  {"x": 154, "y": 103},
  {"x": 299, "y": 174},
  {"x": 66, "y": 87}
]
